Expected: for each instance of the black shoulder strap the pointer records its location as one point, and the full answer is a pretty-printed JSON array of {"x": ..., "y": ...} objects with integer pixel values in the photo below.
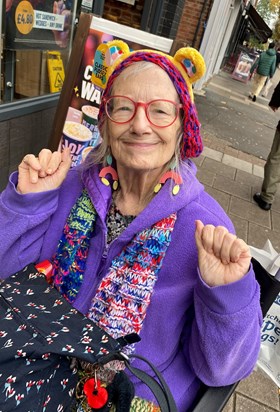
[{"x": 159, "y": 388}]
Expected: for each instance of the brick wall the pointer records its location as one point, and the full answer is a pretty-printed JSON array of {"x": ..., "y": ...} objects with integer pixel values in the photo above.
[
  {"x": 192, "y": 23},
  {"x": 181, "y": 20},
  {"x": 124, "y": 13}
]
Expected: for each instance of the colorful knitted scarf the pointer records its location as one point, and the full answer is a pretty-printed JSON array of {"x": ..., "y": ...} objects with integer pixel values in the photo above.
[
  {"x": 69, "y": 263},
  {"x": 124, "y": 294}
]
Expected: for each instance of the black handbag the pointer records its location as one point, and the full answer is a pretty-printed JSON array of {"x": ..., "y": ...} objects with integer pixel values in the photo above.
[{"x": 40, "y": 333}]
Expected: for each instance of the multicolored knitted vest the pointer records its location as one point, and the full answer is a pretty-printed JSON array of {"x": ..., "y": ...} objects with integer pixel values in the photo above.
[{"x": 124, "y": 294}]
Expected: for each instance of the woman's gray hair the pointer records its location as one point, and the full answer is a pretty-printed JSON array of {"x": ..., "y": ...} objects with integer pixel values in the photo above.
[{"x": 98, "y": 156}]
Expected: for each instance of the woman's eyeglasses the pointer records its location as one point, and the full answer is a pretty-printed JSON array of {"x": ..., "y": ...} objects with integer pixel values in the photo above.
[{"x": 159, "y": 112}]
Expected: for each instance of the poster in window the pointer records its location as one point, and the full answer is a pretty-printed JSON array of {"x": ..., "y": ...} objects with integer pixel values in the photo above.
[
  {"x": 82, "y": 90},
  {"x": 243, "y": 66},
  {"x": 39, "y": 24}
]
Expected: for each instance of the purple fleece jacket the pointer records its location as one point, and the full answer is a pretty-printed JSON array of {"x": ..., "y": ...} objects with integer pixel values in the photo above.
[{"x": 192, "y": 332}]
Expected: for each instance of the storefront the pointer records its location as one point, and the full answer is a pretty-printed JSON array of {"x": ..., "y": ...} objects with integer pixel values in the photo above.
[
  {"x": 36, "y": 43},
  {"x": 249, "y": 25},
  {"x": 257, "y": 26},
  {"x": 37, "y": 38}
]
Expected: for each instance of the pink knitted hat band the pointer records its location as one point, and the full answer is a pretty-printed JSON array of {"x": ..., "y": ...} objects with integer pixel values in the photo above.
[{"x": 192, "y": 143}]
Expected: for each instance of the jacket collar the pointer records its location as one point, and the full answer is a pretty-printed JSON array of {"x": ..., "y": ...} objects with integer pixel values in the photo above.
[{"x": 162, "y": 205}]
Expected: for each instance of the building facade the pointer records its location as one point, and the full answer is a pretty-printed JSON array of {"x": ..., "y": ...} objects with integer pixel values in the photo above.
[{"x": 34, "y": 46}]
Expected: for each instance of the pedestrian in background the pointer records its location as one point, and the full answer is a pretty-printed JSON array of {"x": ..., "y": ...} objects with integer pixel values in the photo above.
[
  {"x": 265, "y": 67},
  {"x": 272, "y": 166},
  {"x": 268, "y": 83}
]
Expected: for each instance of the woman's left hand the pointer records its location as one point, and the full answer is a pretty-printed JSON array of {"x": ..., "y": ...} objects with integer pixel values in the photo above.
[{"x": 222, "y": 257}]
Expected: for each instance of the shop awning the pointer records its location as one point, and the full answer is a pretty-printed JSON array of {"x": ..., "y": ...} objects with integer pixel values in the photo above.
[{"x": 259, "y": 26}]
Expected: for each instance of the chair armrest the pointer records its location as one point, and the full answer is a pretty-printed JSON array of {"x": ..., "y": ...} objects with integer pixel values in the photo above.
[{"x": 215, "y": 398}]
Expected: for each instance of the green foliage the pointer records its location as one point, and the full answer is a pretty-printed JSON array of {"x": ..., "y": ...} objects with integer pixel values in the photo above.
[
  {"x": 270, "y": 10},
  {"x": 265, "y": 10},
  {"x": 275, "y": 6},
  {"x": 276, "y": 32},
  {"x": 254, "y": 43}
]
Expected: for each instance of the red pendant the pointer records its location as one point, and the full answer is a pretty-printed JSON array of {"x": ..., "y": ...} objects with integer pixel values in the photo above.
[{"x": 97, "y": 395}]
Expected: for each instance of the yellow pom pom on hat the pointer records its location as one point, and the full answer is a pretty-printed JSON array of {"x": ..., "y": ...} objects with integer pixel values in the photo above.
[
  {"x": 191, "y": 65},
  {"x": 109, "y": 55},
  {"x": 186, "y": 67}
]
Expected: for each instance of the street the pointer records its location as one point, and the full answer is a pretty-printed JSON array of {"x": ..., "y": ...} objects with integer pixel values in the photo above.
[{"x": 226, "y": 112}]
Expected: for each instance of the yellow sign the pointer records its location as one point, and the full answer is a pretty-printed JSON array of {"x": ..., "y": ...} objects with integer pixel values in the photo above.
[
  {"x": 24, "y": 17},
  {"x": 56, "y": 71}
]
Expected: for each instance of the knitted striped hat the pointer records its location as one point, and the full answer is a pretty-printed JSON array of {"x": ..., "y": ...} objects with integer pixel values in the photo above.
[{"x": 183, "y": 69}]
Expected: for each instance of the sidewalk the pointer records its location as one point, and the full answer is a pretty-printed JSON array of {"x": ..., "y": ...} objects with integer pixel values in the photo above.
[{"x": 232, "y": 177}]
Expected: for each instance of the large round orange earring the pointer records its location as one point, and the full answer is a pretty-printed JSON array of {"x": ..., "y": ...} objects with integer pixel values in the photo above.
[{"x": 109, "y": 170}]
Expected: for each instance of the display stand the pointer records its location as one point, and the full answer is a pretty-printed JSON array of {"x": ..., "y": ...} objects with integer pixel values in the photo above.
[
  {"x": 78, "y": 91},
  {"x": 69, "y": 81},
  {"x": 243, "y": 66}
]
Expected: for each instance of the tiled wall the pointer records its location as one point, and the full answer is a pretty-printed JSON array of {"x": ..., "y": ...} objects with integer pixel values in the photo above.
[{"x": 20, "y": 136}]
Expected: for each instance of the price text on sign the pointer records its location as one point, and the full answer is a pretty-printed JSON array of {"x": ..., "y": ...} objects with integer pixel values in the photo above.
[{"x": 24, "y": 17}]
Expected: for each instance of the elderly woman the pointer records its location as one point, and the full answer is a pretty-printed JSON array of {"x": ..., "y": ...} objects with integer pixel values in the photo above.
[{"x": 135, "y": 241}]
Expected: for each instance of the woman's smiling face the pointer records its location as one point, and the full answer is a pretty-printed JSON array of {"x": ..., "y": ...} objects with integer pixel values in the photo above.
[{"x": 138, "y": 145}]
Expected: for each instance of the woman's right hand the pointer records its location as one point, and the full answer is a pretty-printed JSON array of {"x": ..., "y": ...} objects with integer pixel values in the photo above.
[{"x": 43, "y": 173}]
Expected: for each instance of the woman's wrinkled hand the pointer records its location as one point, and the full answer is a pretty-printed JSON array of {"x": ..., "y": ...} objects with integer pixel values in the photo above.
[
  {"x": 43, "y": 173},
  {"x": 222, "y": 257}
]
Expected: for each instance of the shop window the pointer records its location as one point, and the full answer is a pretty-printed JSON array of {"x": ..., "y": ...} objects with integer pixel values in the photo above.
[{"x": 36, "y": 42}]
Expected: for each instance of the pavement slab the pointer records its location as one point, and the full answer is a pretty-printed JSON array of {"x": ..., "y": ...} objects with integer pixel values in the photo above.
[
  {"x": 213, "y": 154},
  {"x": 241, "y": 227},
  {"x": 258, "y": 235},
  {"x": 251, "y": 212},
  {"x": 233, "y": 188},
  {"x": 205, "y": 177},
  {"x": 275, "y": 221},
  {"x": 248, "y": 178},
  {"x": 222, "y": 198},
  {"x": 250, "y": 388},
  {"x": 210, "y": 165},
  {"x": 258, "y": 171},
  {"x": 237, "y": 163},
  {"x": 244, "y": 404}
]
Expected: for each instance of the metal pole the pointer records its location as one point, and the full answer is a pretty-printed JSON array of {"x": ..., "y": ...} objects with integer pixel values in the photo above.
[
  {"x": 157, "y": 16},
  {"x": 98, "y": 7},
  {"x": 146, "y": 16},
  {"x": 9, "y": 76}
]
